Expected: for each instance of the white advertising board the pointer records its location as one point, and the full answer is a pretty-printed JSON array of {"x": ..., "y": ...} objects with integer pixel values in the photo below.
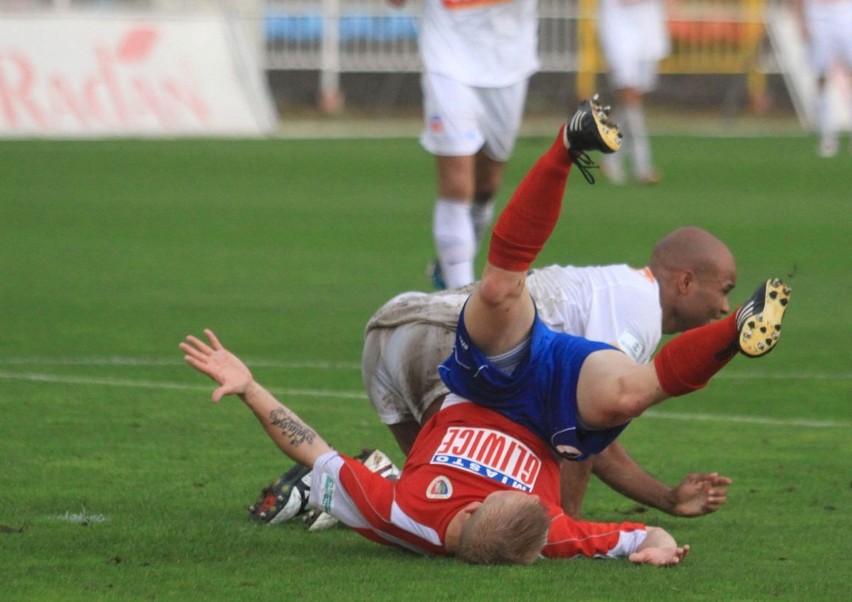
[{"x": 78, "y": 76}]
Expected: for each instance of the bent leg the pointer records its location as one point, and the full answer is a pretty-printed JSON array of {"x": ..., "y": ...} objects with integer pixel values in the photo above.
[{"x": 500, "y": 312}]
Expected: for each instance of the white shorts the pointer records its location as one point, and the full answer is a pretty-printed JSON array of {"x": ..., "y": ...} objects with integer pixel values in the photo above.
[
  {"x": 461, "y": 120},
  {"x": 830, "y": 26},
  {"x": 630, "y": 73},
  {"x": 404, "y": 343}
]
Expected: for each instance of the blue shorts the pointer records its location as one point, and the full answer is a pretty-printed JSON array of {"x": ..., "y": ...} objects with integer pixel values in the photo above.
[{"x": 540, "y": 394}]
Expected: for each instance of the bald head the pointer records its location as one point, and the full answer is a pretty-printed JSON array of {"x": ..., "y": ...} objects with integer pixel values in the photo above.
[
  {"x": 689, "y": 247},
  {"x": 696, "y": 271}
]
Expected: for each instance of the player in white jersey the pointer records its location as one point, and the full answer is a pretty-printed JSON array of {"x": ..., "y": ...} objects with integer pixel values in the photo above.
[
  {"x": 827, "y": 26},
  {"x": 686, "y": 284},
  {"x": 411, "y": 334},
  {"x": 633, "y": 39},
  {"x": 477, "y": 58}
]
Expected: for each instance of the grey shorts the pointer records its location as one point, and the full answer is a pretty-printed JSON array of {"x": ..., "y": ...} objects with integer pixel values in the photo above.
[{"x": 404, "y": 343}]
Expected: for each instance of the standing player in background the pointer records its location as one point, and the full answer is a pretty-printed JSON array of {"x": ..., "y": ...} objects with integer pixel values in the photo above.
[
  {"x": 827, "y": 28},
  {"x": 477, "y": 58},
  {"x": 633, "y": 39}
]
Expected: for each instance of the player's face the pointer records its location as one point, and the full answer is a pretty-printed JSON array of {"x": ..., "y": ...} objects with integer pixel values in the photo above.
[{"x": 709, "y": 301}]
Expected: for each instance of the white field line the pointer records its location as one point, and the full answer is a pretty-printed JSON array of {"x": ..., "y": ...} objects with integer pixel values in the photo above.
[
  {"x": 80, "y": 517},
  {"x": 796, "y": 422},
  {"x": 149, "y": 384},
  {"x": 176, "y": 361},
  {"x": 331, "y": 394},
  {"x": 344, "y": 365}
]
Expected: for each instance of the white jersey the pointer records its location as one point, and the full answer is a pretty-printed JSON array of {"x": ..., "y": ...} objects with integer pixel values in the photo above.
[
  {"x": 633, "y": 39},
  {"x": 634, "y": 26},
  {"x": 409, "y": 336},
  {"x": 829, "y": 23},
  {"x": 482, "y": 43},
  {"x": 614, "y": 304}
]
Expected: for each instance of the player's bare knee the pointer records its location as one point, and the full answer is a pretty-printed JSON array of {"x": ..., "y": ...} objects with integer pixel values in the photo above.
[{"x": 498, "y": 287}]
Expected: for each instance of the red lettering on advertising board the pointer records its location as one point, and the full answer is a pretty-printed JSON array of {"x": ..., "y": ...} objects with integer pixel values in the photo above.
[
  {"x": 118, "y": 91},
  {"x": 15, "y": 89}
]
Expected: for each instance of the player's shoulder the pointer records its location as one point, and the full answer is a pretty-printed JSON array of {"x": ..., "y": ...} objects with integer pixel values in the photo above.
[
  {"x": 623, "y": 276},
  {"x": 634, "y": 291},
  {"x": 609, "y": 275}
]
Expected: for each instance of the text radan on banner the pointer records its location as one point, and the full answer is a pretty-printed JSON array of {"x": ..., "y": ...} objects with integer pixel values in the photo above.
[{"x": 113, "y": 76}]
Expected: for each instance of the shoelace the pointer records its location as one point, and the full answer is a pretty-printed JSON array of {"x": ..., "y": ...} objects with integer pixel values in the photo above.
[{"x": 585, "y": 164}]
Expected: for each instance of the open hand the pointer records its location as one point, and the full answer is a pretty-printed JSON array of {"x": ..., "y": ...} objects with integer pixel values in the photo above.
[
  {"x": 218, "y": 363},
  {"x": 700, "y": 493},
  {"x": 660, "y": 556}
]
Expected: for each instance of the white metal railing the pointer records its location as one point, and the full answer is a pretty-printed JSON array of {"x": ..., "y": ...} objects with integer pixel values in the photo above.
[{"x": 371, "y": 36}]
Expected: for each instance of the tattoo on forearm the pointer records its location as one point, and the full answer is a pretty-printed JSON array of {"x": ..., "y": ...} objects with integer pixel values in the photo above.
[{"x": 291, "y": 427}]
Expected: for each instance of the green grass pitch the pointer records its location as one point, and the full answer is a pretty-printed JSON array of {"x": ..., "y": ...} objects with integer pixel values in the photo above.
[{"x": 119, "y": 480}]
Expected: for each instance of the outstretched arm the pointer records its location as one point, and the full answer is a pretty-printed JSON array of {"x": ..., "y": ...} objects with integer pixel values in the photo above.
[
  {"x": 698, "y": 494},
  {"x": 659, "y": 549},
  {"x": 568, "y": 538},
  {"x": 286, "y": 429}
]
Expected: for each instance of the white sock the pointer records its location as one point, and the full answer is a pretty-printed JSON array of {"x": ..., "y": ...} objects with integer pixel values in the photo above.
[
  {"x": 828, "y": 136},
  {"x": 455, "y": 241},
  {"x": 824, "y": 117},
  {"x": 637, "y": 137},
  {"x": 482, "y": 215}
]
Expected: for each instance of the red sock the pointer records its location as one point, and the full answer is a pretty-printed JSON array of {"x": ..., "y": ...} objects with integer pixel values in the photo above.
[
  {"x": 688, "y": 361},
  {"x": 530, "y": 216}
]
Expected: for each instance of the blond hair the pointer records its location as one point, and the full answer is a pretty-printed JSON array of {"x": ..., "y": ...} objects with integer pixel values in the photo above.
[{"x": 505, "y": 531}]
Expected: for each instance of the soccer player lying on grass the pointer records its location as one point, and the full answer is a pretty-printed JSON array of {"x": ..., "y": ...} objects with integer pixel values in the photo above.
[
  {"x": 503, "y": 510},
  {"x": 686, "y": 284},
  {"x": 471, "y": 471}
]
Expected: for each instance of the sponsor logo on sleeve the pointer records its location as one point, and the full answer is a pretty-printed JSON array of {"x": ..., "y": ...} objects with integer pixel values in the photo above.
[
  {"x": 630, "y": 345},
  {"x": 327, "y": 495}
]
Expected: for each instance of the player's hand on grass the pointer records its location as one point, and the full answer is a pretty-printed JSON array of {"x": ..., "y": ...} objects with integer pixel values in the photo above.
[
  {"x": 232, "y": 375},
  {"x": 660, "y": 556},
  {"x": 699, "y": 494}
]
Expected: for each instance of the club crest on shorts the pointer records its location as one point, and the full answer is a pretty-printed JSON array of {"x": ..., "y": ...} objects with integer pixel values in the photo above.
[
  {"x": 440, "y": 489},
  {"x": 568, "y": 451}
]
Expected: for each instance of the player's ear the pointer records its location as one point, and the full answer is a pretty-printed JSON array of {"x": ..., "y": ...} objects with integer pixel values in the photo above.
[
  {"x": 470, "y": 509},
  {"x": 685, "y": 279}
]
